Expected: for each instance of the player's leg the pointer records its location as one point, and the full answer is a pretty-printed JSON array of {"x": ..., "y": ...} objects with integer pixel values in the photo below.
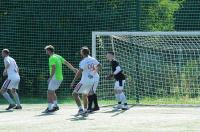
[
  {"x": 16, "y": 97},
  {"x": 122, "y": 95},
  {"x": 117, "y": 95},
  {"x": 94, "y": 96},
  {"x": 85, "y": 101},
  {"x": 55, "y": 102},
  {"x": 77, "y": 99},
  {"x": 90, "y": 102},
  {"x": 50, "y": 94},
  {"x": 5, "y": 94},
  {"x": 14, "y": 86}
]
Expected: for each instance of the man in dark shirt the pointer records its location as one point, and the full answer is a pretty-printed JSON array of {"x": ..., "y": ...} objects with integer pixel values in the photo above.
[{"x": 117, "y": 73}]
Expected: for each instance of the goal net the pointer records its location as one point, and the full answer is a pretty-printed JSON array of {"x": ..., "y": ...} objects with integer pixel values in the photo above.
[{"x": 161, "y": 67}]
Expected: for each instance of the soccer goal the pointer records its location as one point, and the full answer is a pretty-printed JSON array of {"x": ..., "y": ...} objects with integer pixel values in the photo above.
[{"x": 161, "y": 67}]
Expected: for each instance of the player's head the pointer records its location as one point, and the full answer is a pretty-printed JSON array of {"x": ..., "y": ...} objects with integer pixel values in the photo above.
[
  {"x": 5, "y": 52},
  {"x": 85, "y": 51},
  {"x": 110, "y": 55},
  {"x": 49, "y": 49}
]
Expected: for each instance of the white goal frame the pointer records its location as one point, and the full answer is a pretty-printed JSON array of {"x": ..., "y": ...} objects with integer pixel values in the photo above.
[{"x": 96, "y": 33}]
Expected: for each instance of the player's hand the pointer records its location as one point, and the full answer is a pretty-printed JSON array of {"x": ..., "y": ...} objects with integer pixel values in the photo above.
[
  {"x": 48, "y": 80},
  {"x": 72, "y": 85},
  {"x": 75, "y": 70},
  {"x": 109, "y": 77},
  {"x": 4, "y": 73}
]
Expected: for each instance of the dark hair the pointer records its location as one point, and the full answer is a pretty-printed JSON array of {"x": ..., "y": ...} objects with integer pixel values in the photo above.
[
  {"x": 6, "y": 51},
  {"x": 111, "y": 52},
  {"x": 50, "y": 48},
  {"x": 85, "y": 50}
]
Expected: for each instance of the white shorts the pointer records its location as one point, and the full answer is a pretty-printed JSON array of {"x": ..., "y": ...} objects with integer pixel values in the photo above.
[
  {"x": 54, "y": 84},
  {"x": 94, "y": 87},
  {"x": 85, "y": 88},
  {"x": 11, "y": 83},
  {"x": 119, "y": 85}
]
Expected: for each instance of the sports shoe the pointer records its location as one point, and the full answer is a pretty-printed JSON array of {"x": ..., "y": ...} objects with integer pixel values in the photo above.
[
  {"x": 117, "y": 107},
  {"x": 95, "y": 109},
  {"x": 11, "y": 106},
  {"x": 56, "y": 108},
  {"x": 125, "y": 107},
  {"x": 52, "y": 110},
  {"x": 18, "y": 107},
  {"x": 80, "y": 112},
  {"x": 46, "y": 110}
]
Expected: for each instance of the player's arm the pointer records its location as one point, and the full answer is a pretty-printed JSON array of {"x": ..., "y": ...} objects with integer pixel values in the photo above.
[
  {"x": 7, "y": 64},
  {"x": 70, "y": 66},
  {"x": 99, "y": 67},
  {"x": 77, "y": 76},
  {"x": 52, "y": 71}
]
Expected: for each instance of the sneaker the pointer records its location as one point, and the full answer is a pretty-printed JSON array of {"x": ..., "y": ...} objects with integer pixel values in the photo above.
[
  {"x": 117, "y": 107},
  {"x": 85, "y": 114},
  {"x": 52, "y": 110},
  {"x": 11, "y": 106},
  {"x": 18, "y": 107},
  {"x": 46, "y": 110},
  {"x": 80, "y": 112},
  {"x": 125, "y": 107},
  {"x": 96, "y": 109},
  {"x": 56, "y": 108},
  {"x": 89, "y": 111}
]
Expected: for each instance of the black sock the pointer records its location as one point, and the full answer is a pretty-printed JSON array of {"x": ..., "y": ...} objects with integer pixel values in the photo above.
[
  {"x": 90, "y": 100},
  {"x": 95, "y": 101}
]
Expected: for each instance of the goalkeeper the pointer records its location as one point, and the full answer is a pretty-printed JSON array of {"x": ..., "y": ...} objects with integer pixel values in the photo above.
[{"x": 117, "y": 73}]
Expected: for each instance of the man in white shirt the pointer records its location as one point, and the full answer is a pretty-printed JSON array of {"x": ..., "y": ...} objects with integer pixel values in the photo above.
[
  {"x": 12, "y": 82},
  {"x": 88, "y": 68}
]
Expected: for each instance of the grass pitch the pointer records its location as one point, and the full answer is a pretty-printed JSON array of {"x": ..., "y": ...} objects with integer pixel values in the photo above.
[{"x": 136, "y": 119}]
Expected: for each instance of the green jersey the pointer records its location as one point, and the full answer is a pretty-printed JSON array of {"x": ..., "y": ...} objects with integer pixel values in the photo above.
[{"x": 56, "y": 60}]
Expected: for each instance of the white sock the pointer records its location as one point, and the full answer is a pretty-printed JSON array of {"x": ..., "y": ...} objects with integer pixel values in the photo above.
[
  {"x": 55, "y": 103},
  {"x": 123, "y": 98},
  {"x": 80, "y": 107},
  {"x": 8, "y": 98},
  {"x": 50, "y": 106},
  {"x": 16, "y": 97}
]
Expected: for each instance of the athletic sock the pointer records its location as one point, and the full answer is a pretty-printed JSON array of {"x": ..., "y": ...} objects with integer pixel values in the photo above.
[
  {"x": 95, "y": 101},
  {"x": 123, "y": 98},
  {"x": 50, "y": 106},
  {"x": 8, "y": 98},
  {"x": 16, "y": 97},
  {"x": 80, "y": 107},
  {"x": 55, "y": 102}
]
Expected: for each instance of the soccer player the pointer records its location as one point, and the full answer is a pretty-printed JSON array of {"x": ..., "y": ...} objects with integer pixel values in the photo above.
[
  {"x": 117, "y": 73},
  {"x": 56, "y": 77},
  {"x": 88, "y": 70},
  {"x": 12, "y": 71}
]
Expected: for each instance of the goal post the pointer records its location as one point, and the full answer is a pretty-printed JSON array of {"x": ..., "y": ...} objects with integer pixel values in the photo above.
[{"x": 161, "y": 67}]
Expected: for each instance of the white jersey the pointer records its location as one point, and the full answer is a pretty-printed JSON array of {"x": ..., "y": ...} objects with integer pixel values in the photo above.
[
  {"x": 12, "y": 70},
  {"x": 89, "y": 74}
]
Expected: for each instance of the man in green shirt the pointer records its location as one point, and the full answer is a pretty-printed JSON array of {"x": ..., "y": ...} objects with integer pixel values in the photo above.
[{"x": 56, "y": 77}]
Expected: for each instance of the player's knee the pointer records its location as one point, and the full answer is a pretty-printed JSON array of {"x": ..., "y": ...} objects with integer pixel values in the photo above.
[
  {"x": 13, "y": 91},
  {"x": 74, "y": 94},
  {"x": 2, "y": 91}
]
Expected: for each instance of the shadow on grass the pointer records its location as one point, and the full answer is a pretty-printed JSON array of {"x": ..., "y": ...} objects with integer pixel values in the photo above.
[
  {"x": 45, "y": 114},
  {"x": 79, "y": 118},
  {"x": 6, "y": 111},
  {"x": 118, "y": 112}
]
